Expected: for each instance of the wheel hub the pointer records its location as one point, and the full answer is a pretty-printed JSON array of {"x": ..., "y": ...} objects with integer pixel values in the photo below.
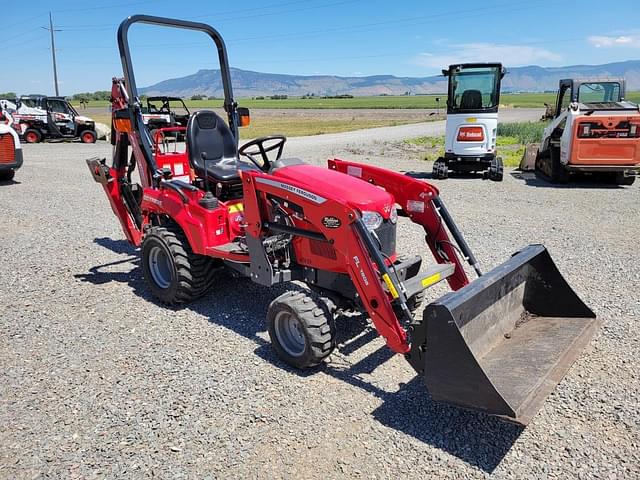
[
  {"x": 160, "y": 267},
  {"x": 289, "y": 332}
]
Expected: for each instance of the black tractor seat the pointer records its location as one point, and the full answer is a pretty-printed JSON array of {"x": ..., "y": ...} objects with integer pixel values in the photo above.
[
  {"x": 208, "y": 134},
  {"x": 471, "y": 100}
]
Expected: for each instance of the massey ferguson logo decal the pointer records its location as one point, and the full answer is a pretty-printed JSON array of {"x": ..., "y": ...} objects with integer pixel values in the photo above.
[{"x": 290, "y": 188}]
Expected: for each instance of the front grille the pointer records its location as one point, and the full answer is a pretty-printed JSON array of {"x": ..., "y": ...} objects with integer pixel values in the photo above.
[
  {"x": 7, "y": 149},
  {"x": 387, "y": 235},
  {"x": 322, "y": 249}
]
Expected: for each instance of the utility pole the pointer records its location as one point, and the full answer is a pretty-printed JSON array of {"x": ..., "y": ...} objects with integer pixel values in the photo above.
[{"x": 53, "y": 54}]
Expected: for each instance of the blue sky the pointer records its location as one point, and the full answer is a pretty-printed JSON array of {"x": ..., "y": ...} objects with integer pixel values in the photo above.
[{"x": 342, "y": 37}]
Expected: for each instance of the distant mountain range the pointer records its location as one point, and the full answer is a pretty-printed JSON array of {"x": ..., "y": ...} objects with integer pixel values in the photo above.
[{"x": 249, "y": 84}]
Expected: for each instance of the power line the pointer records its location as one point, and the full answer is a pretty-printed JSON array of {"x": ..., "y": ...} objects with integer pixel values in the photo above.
[
  {"x": 407, "y": 21},
  {"x": 219, "y": 18},
  {"x": 12, "y": 25},
  {"x": 18, "y": 35},
  {"x": 102, "y": 7},
  {"x": 421, "y": 20}
]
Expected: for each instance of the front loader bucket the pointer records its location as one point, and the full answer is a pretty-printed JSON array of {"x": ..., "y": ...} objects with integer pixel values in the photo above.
[{"x": 502, "y": 343}]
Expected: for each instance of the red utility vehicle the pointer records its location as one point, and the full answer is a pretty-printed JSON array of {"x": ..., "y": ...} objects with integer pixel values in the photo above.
[{"x": 498, "y": 344}]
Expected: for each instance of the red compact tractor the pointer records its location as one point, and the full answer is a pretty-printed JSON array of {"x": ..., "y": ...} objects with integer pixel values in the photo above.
[{"x": 498, "y": 344}]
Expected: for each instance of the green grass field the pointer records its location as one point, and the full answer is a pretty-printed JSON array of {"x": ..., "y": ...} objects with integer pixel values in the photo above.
[
  {"x": 310, "y": 126},
  {"x": 530, "y": 100}
]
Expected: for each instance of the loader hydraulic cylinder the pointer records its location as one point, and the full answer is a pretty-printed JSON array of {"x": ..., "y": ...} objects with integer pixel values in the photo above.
[
  {"x": 457, "y": 234},
  {"x": 396, "y": 290}
]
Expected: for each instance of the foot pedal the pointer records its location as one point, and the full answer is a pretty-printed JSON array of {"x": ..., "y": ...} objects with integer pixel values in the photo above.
[{"x": 430, "y": 277}]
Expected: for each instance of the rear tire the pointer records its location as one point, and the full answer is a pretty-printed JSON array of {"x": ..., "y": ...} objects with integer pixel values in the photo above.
[
  {"x": 88, "y": 136},
  {"x": 7, "y": 175},
  {"x": 31, "y": 135},
  {"x": 620, "y": 179},
  {"x": 440, "y": 170},
  {"x": 173, "y": 272},
  {"x": 301, "y": 327},
  {"x": 496, "y": 170},
  {"x": 548, "y": 162}
]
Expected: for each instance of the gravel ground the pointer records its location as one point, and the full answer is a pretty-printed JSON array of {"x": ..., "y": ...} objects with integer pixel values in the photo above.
[{"x": 98, "y": 381}]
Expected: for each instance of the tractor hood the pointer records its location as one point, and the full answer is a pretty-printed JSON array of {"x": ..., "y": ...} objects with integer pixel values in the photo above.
[{"x": 341, "y": 187}]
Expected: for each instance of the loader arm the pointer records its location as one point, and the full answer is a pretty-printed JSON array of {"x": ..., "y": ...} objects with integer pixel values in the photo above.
[
  {"x": 420, "y": 201},
  {"x": 549, "y": 129}
]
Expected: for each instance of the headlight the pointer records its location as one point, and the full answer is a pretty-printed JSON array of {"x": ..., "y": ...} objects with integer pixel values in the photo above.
[
  {"x": 393, "y": 216},
  {"x": 372, "y": 220}
]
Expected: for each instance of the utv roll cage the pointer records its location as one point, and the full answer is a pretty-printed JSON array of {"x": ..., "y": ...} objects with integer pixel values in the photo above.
[{"x": 166, "y": 103}]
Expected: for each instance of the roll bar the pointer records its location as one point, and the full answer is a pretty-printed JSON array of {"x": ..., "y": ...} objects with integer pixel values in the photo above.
[{"x": 130, "y": 82}]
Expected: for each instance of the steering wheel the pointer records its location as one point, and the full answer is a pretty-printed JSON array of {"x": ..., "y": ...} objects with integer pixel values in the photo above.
[{"x": 262, "y": 146}]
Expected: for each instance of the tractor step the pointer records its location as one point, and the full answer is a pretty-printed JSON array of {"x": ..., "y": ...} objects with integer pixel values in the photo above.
[
  {"x": 430, "y": 277},
  {"x": 231, "y": 247}
]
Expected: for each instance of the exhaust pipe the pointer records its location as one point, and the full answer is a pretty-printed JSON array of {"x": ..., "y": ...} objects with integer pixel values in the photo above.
[{"x": 501, "y": 344}]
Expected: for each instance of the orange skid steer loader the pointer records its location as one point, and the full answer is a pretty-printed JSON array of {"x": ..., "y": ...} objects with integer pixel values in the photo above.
[{"x": 594, "y": 131}]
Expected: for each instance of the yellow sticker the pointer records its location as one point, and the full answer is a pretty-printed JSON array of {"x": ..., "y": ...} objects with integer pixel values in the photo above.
[
  {"x": 390, "y": 286},
  {"x": 238, "y": 207},
  {"x": 435, "y": 278},
  {"x": 471, "y": 120}
]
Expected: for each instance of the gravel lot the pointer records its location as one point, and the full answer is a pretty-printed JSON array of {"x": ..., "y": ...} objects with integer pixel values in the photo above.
[{"x": 98, "y": 381}]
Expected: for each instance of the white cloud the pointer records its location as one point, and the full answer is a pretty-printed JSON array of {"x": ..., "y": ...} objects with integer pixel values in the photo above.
[
  {"x": 509, "y": 55},
  {"x": 599, "y": 41}
]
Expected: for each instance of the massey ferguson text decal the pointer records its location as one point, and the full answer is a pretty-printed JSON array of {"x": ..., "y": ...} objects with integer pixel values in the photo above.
[{"x": 290, "y": 188}]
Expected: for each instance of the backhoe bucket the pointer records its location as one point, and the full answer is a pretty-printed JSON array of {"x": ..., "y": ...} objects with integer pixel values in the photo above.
[{"x": 502, "y": 343}]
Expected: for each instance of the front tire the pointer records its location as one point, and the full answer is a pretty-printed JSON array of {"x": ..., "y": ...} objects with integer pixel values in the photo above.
[
  {"x": 301, "y": 328},
  {"x": 173, "y": 272},
  {"x": 7, "y": 175},
  {"x": 31, "y": 135},
  {"x": 88, "y": 136},
  {"x": 440, "y": 170},
  {"x": 548, "y": 162}
]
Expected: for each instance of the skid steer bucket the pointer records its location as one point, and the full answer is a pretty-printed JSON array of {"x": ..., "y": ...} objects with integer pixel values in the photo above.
[
  {"x": 528, "y": 161},
  {"x": 502, "y": 343}
]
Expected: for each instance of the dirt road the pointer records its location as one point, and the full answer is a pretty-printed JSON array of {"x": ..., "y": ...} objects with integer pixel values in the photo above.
[{"x": 318, "y": 147}]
